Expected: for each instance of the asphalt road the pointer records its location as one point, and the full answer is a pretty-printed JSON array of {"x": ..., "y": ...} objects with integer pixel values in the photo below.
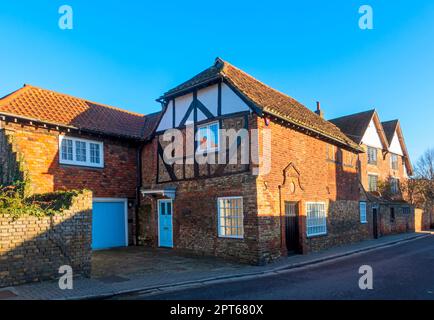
[{"x": 404, "y": 271}]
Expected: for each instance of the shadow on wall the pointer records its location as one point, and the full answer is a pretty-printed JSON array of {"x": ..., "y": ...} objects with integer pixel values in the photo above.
[
  {"x": 33, "y": 248},
  {"x": 10, "y": 168}
]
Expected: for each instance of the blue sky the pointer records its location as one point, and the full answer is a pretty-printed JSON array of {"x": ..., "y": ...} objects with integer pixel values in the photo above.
[{"x": 127, "y": 53}]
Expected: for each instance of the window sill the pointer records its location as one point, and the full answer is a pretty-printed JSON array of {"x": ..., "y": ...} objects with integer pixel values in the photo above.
[
  {"x": 68, "y": 165},
  {"x": 317, "y": 235},
  {"x": 229, "y": 237}
]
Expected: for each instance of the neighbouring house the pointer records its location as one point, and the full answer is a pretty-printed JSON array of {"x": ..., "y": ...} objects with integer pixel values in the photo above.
[
  {"x": 308, "y": 200},
  {"x": 59, "y": 142},
  {"x": 383, "y": 167}
]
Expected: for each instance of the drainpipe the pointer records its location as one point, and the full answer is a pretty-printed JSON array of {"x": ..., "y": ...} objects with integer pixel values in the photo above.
[
  {"x": 280, "y": 218},
  {"x": 138, "y": 187}
]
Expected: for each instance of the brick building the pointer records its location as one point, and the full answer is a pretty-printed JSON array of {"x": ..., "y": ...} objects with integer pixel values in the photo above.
[
  {"x": 277, "y": 178},
  {"x": 56, "y": 141},
  {"x": 308, "y": 200},
  {"x": 383, "y": 166}
]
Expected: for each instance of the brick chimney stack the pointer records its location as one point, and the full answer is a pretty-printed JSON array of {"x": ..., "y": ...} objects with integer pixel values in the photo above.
[{"x": 318, "y": 110}]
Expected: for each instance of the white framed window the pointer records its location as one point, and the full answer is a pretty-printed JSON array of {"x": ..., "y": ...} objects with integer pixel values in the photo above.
[
  {"x": 208, "y": 137},
  {"x": 316, "y": 219},
  {"x": 362, "y": 208},
  {"x": 394, "y": 161},
  {"x": 81, "y": 152},
  {"x": 230, "y": 217},
  {"x": 372, "y": 183},
  {"x": 394, "y": 185},
  {"x": 372, "y": 155}
]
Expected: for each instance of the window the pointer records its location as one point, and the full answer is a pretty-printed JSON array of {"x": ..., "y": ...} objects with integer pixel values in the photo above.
[
  {"x": 316, "y": 219},
  {"x": 81, "y": 152},
  {"x": 208, "y": 137},
  {"x": 94, "y": 153},
  {"x": 372, "y": 155},
  {"x": 230, "y": 217},
  {"x": 394, "y": 161},
  {"x": 373, "y": 183},
  {"x": 331, "y": 152},
  {"x": 363, "y": 218},
  {"x": 394, "y": 185},
  {"x": 406, "y": 210}
]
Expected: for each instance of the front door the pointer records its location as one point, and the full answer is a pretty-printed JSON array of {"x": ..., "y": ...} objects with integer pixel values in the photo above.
[
  {"x": 291, "y": 227},
  {"x": 165, "y": 229}
]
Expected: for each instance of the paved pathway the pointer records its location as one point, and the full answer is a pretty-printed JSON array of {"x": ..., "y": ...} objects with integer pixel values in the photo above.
[
  {"x": 165, "y": 270},
  {"x": 399, "y": 272}
]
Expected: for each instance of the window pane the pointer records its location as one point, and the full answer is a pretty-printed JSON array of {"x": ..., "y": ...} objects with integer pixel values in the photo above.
[
  {"x": 213, "y": 136},
  {"x": 66, "y": 149},
  {"x": 94, "y": 153},
  {"x": 80, "y": 151},
  {"x": 203, "y": 138}
]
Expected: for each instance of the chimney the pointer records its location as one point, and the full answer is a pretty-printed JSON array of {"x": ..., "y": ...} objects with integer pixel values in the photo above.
[{"x": 318, "y": 110}]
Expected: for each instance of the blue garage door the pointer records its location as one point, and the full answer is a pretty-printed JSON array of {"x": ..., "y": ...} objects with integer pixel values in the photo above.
[{"x": 108, "y": 225}]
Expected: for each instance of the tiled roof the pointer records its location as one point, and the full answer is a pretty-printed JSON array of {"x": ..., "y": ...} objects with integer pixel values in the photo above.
[
  {"x": 61, "y": 109},
  {"x": 390, "y": 129},
  {"x": 267, "y": 99},
  {"x": 354, "y": 125}
]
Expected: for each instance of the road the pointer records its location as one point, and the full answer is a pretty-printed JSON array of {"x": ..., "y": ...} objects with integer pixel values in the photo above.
[{"x": 404, "y": 271}]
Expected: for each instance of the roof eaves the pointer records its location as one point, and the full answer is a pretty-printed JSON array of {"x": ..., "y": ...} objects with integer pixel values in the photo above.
[
  {"x": 60, "y": 125},
  {"x": 353, "y": 145}
]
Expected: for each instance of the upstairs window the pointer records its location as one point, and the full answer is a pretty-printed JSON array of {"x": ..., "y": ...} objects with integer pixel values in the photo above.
[
  {"x": 80, "y": 152},
  {"x": 394, "y": 185},
  {"x": 331, "y": 152},
  {"x": 372, "y": 183},
  {"x": 394, "y": 161},
  {"x": 372, "y": 155},
  {"x": 208, "y": 137}
]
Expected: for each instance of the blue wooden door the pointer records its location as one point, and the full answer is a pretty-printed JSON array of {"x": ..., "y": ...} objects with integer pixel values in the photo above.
[
  {"x": 108, "y": 225},
  {"x": 165, "y": 234}
]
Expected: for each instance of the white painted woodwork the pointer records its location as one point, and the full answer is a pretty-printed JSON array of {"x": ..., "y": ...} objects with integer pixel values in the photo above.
[
  {"x": 231, "y": 103},
  {"x": 395, "y": 145},
  {"x": 371, "y": 137},
  {"x": 167, "y": 119},
  {"x": 208, "y": 96}
]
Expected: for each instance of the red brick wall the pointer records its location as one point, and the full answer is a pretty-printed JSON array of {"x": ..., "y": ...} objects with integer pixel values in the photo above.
[
  {"x": 383, "y": 167},
  {"x": 195, "y": 227},
  {"x": 312, "y": 178},
  {"x": 315, "y": 179},
  {"x": 38, "y": 149}
]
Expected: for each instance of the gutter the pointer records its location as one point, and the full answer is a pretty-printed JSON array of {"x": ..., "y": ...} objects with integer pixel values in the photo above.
[{"x": 33, "y": 121}]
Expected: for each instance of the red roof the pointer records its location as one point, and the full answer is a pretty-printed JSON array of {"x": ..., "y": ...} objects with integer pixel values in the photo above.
[{"x": 52, "y": 107}]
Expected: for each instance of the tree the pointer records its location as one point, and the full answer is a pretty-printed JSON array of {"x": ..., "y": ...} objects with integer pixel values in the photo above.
[{"x": 424, "y": 173}]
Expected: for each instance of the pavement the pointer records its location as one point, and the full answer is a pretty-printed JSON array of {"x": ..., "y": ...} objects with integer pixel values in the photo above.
[
  {"x": 136, "y": 271},
  {"x": 397, "y": 272}
]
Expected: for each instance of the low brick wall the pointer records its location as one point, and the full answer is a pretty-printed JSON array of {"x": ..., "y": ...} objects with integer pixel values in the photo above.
[{"x": 33, "y": 249}]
